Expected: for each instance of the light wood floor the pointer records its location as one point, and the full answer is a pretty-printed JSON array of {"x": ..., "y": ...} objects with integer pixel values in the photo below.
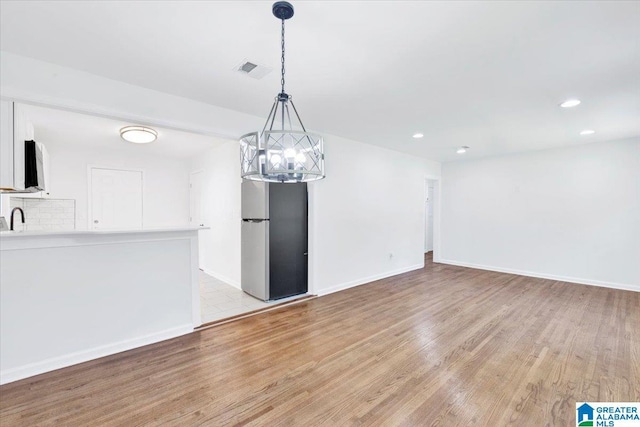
[{"x": 445, "y": 345}]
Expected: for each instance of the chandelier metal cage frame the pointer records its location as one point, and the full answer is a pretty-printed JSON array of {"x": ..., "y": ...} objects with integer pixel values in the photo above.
[{"x": 286, "y": 153}]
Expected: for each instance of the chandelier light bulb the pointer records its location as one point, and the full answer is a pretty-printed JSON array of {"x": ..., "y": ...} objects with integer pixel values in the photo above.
[{"x": 275, "y": 159}]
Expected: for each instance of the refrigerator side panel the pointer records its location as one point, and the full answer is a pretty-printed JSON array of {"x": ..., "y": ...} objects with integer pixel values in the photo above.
[
  {"x": 255, "y": 200},
  {"x": 255, "y": 259},
  {"x": 288, "y": 240}
]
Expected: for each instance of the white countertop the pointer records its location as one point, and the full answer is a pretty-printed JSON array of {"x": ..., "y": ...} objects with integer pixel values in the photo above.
[{"x": 21, "y": 234}]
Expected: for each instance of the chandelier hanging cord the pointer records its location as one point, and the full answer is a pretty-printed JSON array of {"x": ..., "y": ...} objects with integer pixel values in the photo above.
[
  {"x": 282, "y": 97},
  {"x": 282, "y": 58}
]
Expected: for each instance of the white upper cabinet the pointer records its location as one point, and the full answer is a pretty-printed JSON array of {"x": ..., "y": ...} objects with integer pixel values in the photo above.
[
  {"x": 22, "y": 131},
  {"x": 15, "y": 129},
  {"x": 6, "y": 145}
]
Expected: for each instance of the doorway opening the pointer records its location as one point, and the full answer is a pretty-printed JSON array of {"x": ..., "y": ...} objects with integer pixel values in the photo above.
[
  {"x": 432, "y": 218},
  {"x": 196, "y": 217}
]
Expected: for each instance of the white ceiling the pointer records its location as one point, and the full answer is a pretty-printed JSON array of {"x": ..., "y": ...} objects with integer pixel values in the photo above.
[
  {"x": 71, "y": 129},
  {"x": 489, "y": 75}
]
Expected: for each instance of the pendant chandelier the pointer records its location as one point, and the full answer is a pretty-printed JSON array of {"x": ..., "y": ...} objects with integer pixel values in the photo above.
[{"x": 283, "y": 151}]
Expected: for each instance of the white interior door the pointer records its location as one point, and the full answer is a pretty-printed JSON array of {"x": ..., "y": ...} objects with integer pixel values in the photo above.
[{"x": 116, "y": 199}]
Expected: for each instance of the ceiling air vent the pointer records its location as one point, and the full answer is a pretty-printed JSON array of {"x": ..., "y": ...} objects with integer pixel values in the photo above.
[
  {"x": 253, "y": 70},
  {"x": 248, "y": 67}
]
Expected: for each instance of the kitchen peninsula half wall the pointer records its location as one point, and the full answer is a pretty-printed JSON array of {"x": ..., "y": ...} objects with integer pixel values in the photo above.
[{"x": 72, "y": 296}]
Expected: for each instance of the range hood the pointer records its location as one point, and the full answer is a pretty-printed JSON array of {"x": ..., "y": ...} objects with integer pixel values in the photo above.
[{"x": 34, "y": 175}]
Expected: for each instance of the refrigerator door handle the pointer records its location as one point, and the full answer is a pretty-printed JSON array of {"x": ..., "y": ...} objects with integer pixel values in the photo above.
[{"x": 306, "y": 253}]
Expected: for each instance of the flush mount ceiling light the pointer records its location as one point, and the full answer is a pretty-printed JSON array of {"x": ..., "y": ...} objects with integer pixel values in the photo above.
[
  {"x": 417, "y": 135},
  {"x": 588, "y": 132},
  {"x": 138, "y": 134},
  {"x": 462, "y": 149},
  {"x": 570, "y": 103},
  {"x": 283, "y": 151}
]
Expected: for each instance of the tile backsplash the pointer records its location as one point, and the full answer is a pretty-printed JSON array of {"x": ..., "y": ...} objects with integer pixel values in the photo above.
[{"x": 45, "y": 214}]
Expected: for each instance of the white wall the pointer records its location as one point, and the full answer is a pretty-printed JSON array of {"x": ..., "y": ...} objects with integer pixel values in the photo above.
[
  {"x": 571, "y": 214},
  {"x": 220, "y": 245},
  {"x": 367, "y": 215},
  {"x": 165, "y": 187}
]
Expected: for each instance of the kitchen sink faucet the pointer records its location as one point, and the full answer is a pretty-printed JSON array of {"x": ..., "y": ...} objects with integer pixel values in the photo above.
[{"x": 13, "y": 212}]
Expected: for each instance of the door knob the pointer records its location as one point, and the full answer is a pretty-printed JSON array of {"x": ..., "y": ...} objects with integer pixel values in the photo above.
[{"x": 95, "y": 221}]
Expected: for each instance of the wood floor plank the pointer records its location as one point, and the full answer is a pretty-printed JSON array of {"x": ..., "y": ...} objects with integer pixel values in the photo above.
[{"x": 443, "y": 345}]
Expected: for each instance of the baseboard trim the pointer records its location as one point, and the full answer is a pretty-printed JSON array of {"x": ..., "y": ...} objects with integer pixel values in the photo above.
[
  {"x": 364, "y": 281},
  {"x": 47, "y": 365},
  {"x": 579, "y": 281},
  {"x": 221, "y": 277}
]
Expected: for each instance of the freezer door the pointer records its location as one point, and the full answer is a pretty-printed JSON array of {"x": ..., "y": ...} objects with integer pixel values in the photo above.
[
  {"x": 255, "y": 258},
  {"x": 255, "y": 200},
  {"x": 288, "y": 240}
]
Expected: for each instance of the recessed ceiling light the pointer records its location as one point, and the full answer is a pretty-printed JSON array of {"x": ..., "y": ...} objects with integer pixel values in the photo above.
[
  {"x": 588, "y": 132},
  {"x": 570, "y": 103},
  {"x": 462, "y": 149},
  {"x": 138, "y": 134},
  {"x": 417, "y": 135}
]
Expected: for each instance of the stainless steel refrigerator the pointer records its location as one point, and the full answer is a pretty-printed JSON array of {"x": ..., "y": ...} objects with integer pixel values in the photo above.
[{"x": 274, "y": 239}]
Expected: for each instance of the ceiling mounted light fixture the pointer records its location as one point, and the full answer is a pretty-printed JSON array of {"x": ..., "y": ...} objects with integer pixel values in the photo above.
[
  {"x": 138, "y": 134},
  {"x": 570, "y": 103},
  {"x": 417, "y": 135},
  {"x": 588, "y": 132},
  {"x": 282, "y": 152},
  {"x": 462, "y": 149}
]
